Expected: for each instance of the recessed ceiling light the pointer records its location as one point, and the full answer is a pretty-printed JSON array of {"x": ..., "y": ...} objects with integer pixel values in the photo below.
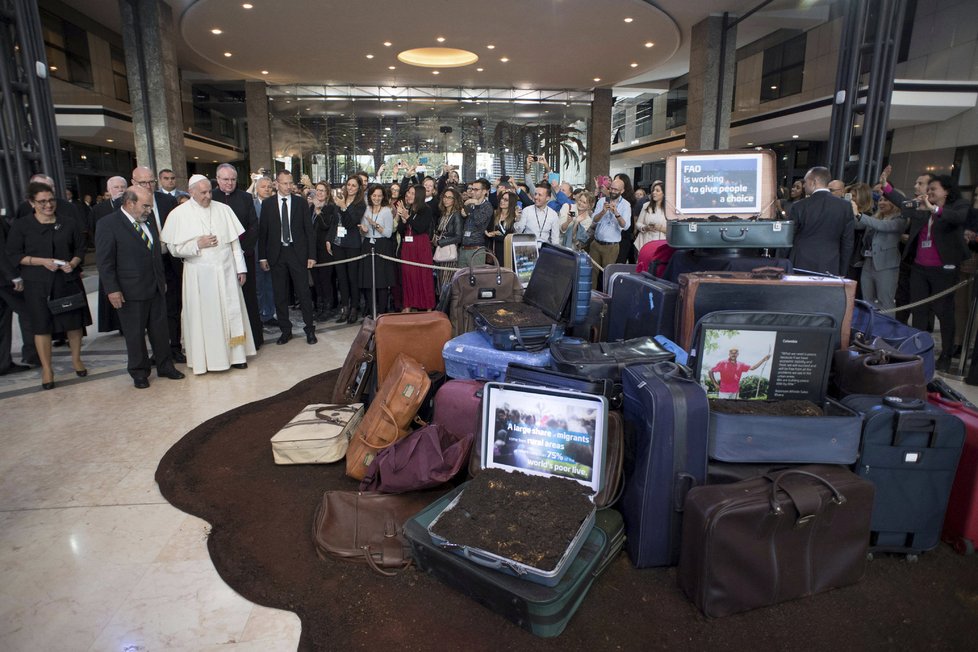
[
  {"x": 490, "y": 47},
  {"x": 109, "y": 140},
  {"x": 649, "y": 44},
  {"x": 440, "y": 39},
  {"x": 216, "y": 31},
  {"x": 794, "y": 135},
  {"x": 53, "y": 67},
  {"x": 628, "y": 20},
  {"x": 213, "y": 161},
  {"x": 504, "y": 59},
  {"x": 479, "y": 69},
  {"x": 387, "y": 44},
  {"x": 597, "y": 79},
  {"x": 227, "y": 54},
  {"x": 392, "y": 67},
  {"x": 435, "y": 72},
  {"x": 264, "y": 72},
  {"x": 196, "y": 157},
  {"x": 247, "y": 5},
  {"x": 749, "y": 144},
  {"x": 774, "y": 88},
  {"x": 857, "y": 126},
  {"x": 370, "y": 56},
  {"x": 633, "y": 65}
]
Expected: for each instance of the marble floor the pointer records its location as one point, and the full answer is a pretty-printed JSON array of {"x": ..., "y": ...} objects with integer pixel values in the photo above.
[{"x": 91, "y": 555}]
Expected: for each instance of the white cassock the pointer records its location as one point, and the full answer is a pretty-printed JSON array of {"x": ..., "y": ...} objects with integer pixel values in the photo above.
[{"x": 216, "y": 331}]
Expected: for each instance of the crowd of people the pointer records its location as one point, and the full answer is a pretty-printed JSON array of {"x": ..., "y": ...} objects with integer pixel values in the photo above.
[{"x": 249, "y": 256}]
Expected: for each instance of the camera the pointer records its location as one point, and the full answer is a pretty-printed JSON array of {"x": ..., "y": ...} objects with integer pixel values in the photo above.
[
  {"x": 912, "y": 203},
  {"x": 848, "y": 196},
  {"x": 533, "y": 157}
]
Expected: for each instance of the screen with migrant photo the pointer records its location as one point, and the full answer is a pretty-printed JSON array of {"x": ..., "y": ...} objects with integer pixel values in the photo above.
[
  {"x": 544, "y": 432},
  {"x": 718, "y": 183}
]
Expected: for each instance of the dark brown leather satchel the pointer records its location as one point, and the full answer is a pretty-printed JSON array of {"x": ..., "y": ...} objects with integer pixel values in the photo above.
[
  {"x": 355, "y": 373},
  {"x": 390, "y": 414},
  {"x": 774, "y": 538},
  {"x": 878, "y": 369},
  {"x": 367, "y": 527},
  {"x": 474, "y": 285}
]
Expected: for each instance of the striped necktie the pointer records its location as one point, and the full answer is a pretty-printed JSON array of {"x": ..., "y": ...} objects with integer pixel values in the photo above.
[{"x": 142, "y": 234}]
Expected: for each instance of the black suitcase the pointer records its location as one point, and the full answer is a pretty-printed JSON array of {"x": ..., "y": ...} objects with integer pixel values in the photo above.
[
  {"x": 642, "y": 305},
  {"x": 613, "y": 271},
  {"x": 666, "y": 415},
  {"x": 606, "y": 360},
  {"x": 527, "y": 375},
  {"x": 541, "y": 610},
  {"x": 910, "y": 451},
  {"x": 595, "y": 325}
]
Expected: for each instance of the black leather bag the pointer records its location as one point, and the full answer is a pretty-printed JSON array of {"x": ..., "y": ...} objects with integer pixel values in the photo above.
[{"x": 605, "y": 360}]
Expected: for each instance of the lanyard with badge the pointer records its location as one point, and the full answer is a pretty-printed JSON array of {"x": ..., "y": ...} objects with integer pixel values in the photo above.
[{"x": 928, "y": 242}]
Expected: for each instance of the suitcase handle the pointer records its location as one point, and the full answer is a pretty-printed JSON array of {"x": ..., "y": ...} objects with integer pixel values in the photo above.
[
  {"x": 910, "y": 422},
  {"x": 493, "y": 374},
  {"x": 805, "y": 500},
  {"x": 532, "y": 345},
  {"x": 733, "y": 238},
  {"x": 482, "y": 560},
  {"x": 684, "y": 482}
]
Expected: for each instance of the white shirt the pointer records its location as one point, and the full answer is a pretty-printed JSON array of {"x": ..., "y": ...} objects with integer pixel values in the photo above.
[
  {"x": 141, "y": 225},
  {"x": 542, "y": 222},
  {"x": 288, "y": 203}
]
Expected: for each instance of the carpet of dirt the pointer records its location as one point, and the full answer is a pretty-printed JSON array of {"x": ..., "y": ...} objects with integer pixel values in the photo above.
[{"x": 261, "y": 544}]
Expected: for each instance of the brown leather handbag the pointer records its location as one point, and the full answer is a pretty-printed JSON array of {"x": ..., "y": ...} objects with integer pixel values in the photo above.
[
  {"x": 355, "y": 373},
  {"x": 774, "y": 538},
  {"x": 367, "y": 527},
  {"x": 878, "y": 369},
  {"x": 390, "y": 413},
  {"x": 473, "y": 285}
]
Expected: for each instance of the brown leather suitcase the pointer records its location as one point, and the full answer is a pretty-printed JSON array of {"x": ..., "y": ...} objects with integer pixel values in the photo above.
[
  {"x": 422, "y": 335},
  {"x": 766, "y": 290},
  {"x": 389, "y": 417},
  {"x": 355, "y": 373},
  {"x": 777, "y": 537}
]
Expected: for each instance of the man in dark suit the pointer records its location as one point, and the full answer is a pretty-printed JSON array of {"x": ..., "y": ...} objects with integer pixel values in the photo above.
[
  {"x": 163, "y": 203},
  {"x": 824, "y": 227},
  {"x": 130, "y": 266},
  {"x": 11, "y": 301},
  {"x": 243, "y": 205},
  {"x": 287, "y": 247}
]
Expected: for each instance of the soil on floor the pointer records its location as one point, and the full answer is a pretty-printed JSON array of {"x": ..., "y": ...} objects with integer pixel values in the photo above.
[
  {"x": 789, "y": 408},
  {"x": 527, "y": 518}
]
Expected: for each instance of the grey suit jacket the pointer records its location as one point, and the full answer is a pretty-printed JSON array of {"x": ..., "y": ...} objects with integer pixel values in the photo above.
[{"x": 885, "y": 247}]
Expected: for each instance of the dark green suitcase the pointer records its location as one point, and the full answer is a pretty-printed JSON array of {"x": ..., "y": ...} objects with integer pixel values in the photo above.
[{"x": 542, "y": 610}]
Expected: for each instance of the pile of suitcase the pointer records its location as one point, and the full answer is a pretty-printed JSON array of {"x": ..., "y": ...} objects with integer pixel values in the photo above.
[{"x": 753, "y": 509}]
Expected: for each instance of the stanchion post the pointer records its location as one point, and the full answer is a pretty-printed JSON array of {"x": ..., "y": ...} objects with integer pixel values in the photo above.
[
  {"x": 969, "y": 330},
  {"x": 373, "y": 280}
]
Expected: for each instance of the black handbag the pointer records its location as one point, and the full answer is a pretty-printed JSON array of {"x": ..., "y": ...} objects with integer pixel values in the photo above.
[{"x": 67, "y": 304}]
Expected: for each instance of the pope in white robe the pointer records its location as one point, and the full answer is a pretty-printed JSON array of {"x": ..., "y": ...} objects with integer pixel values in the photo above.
[{"x": 216, "y": 331}]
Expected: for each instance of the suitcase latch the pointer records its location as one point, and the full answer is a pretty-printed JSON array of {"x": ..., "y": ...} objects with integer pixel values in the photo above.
[
  {"x": 692, "y": 227},
  {"x": 777, "y": 227},
  {"x": 911, "y": 458}
]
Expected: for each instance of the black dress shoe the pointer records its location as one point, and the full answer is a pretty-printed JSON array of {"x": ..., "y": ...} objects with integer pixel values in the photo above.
[
  {"x": 82, "y": 373},
  {"x": 311, "y": 338},
  {"x": 140, "y": 383},
  {"x": 47, "y": 385},
  {"x": 284, "y": 339},
  {"x": 943, "y": 364},
  {"x": 14, "y": 368},
  {"x": 240, "y": 365},
  {"x": 342, "y": 317},
  {"x": 170, "y": 373},
  {"x": 178, "y": 356},
  {"x": 271, "y": 323},
  {"x": 353, "y": 316}
]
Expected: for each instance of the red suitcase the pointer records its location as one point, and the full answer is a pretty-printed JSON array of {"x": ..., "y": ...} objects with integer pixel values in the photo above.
[{"x": 961, "y": 519}]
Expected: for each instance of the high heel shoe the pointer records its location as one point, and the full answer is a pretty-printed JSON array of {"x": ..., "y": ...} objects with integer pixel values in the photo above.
[
  {"x": 82, "y": 373},
  {"x": 49, "y": 384},
  {"x": 344, "y": 314},
  {"x": 353, "y": 316}
]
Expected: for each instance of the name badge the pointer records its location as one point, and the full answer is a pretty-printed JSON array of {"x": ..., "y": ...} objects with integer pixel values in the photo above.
[
  {"x": 341, "y": 232},
  {"x": 925, "y": 244},
  {"x": 409, "y": 238},
  {"x": 868, "y": 253},
  {"x": 468, "y": 234}
]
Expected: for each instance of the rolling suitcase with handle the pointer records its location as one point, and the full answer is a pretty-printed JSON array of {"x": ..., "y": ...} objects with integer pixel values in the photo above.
[
  {"x": 421, "y": 335},
  {"x": 961, "y": 520},
  {"x": 910, "y": 451},
  {"x": 642, "y": 305}
]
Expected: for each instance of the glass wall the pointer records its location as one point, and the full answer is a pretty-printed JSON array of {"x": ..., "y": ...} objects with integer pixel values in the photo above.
[{"x": 331, "y": 132}]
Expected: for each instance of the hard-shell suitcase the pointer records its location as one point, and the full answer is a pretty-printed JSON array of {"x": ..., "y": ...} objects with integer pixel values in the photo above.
[
  {"x": 419, "y": 334},
  {"x": 775, "y": 538},
  {"x": 961, "y": 521},
  {"x": 472, "y": 356},
  {"x": 910, "y": 451},
  {"x": 595, "y": 326},
  {"x": 763, "y": 290},
  {"x": 356, "y": 371},
  {"x": 726, "y": 233},
  {"x": 666, "y": 417},
  {"x": 642, "y": 305},
  {"x": 542, "y": 610},
  {"x": 613, "y": 271}
]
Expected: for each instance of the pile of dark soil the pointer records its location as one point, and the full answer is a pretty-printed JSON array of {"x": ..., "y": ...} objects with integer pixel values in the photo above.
[
  {"x": 788, "y": 408},
  {"x": 527, "y": 518}
]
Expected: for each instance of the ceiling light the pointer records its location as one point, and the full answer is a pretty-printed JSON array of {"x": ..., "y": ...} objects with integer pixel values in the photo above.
[
  {"x": 387, "y": 44},
  {"x": 227, "y": 54},
  {"x": 856, "y": 126},
  {"x": 504, "y": 59},
  {"x": 633, "y": 65},
  {"x": 628, "y": 20},
  {"x": 83, "y": 157},
  {"x": 196, "y": 157},
  {"x": 440, "y": 39},
  {"x": 370, "y": 56},
  {"x": 247, "y": 5},
  {"x": 479, "y": 69},
  {"x": 109, "y": 140},
  {"x": 437, "y": 57},
  {"x": 649, "y": 44},
  {"x": 216, "y": 31},
  {"x": 597, "y": 79},
  {"x": 264, "y": 72},
  {"x": 213, "y": 161},
  {"x": 435, "y": 72},
  {"x": 490, "y": 47},
  {"x": 53, "y": 67},
  {"x": 794, "y": 135},
  {"x": 749, "y": 144},
  {"x": 392, "y": 67},
  {"x": 774, "y": 88}
]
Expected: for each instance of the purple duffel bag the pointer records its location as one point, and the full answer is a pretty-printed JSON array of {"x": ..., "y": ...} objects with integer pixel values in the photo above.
[{"x": 426, "y": 458}]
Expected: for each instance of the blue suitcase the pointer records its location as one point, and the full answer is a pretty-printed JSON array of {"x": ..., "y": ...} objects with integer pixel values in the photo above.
[
  {"x": 642, "y": 305},
  {"x": 666, "y": 426},
  {"x": 472, "y": 356}
]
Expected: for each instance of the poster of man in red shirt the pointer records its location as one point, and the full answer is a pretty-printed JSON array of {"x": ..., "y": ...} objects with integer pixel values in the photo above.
[{"x": 726, "y": 374}]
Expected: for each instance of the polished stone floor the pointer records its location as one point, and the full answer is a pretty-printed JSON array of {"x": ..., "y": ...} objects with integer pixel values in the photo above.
[{"x": 91, "y": 555}]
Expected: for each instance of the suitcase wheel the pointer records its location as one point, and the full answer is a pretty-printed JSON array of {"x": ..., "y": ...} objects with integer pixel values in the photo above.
[{"x": 964, "y": 546}]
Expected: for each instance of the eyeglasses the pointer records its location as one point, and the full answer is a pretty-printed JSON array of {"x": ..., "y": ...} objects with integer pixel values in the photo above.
[
  {"x": 145, "y": 184},
  {"x": 45, "y": 202}
]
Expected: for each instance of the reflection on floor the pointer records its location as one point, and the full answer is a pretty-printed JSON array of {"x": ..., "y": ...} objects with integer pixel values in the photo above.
[{"x": 91, "y": 556}]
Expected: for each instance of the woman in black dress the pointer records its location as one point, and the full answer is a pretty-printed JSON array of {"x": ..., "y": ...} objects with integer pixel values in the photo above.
[
  {"x": 49, "y": 248},
  {"x": 377, "y": 231},
  {"x": 346, "y": 245},
  {"x": 325, "y": 218},
  {"x": 502, "y": 224}
]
